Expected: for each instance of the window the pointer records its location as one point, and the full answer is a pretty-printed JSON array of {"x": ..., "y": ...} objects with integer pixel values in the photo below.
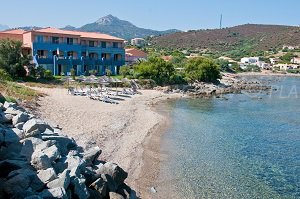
[
  {"x": 70, "y": 41},
  {"x": 103, "y": 44},
  {"x": 39, "y": 38},
  {"x": 70, "y": 54},
  {"x": 115, "y": 45},
  {"x": 55, "y": 40},
  {"x": 91, "y": 44},
  {"x": 115, "y": 57},
  {"x": 40, "y": 53}
]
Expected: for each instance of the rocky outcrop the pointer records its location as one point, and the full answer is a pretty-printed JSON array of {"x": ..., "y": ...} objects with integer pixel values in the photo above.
[
  {"x": 226, "y": 85},
  {"x": 38, "y": 162}
]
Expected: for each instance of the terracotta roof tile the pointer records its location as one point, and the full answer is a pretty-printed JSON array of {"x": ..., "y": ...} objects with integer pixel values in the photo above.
[{"x": 93, "y": 35}]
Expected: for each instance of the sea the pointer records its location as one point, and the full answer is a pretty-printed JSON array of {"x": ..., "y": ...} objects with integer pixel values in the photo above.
[{"x": 237, "y": 146}]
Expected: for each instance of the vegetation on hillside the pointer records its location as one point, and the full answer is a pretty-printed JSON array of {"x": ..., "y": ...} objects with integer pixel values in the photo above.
[{"x": 244, "y": 40}]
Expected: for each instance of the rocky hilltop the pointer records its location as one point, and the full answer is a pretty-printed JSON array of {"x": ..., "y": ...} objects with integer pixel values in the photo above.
[
  {"x": 119, "y": 28},
  {"x": 38, "y": 161}
]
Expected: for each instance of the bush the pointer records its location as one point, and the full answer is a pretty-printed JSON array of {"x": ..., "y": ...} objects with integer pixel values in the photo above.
[
  {"x": 73, "y": 73},
  {"x": 108, "y": 72},
  {"x": 147, "y": 83},
  {"x": 202, "y": 69},
  {"x": 48, "y": 74},
  {"x": 11, "y": 58},
  {"x": 125, "y": 70},
  {"x": 156, "y": 69},
  {"x": 4, "y": 76}
]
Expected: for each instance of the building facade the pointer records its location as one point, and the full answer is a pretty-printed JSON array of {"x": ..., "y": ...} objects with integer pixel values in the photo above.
[
  {"x": 139, "y": 42},
  {"x": 133, "y": 55},
  {"x": 60, "y": 50}
]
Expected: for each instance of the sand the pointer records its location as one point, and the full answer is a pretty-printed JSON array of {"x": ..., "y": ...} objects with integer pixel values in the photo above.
[{"x": 128, "y": 133}]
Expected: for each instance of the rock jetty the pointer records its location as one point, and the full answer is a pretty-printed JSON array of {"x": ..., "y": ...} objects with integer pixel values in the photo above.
[{"x": 37, "y": 161}]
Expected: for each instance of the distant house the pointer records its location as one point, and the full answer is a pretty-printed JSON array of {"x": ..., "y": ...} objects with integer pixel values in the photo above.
[
  {"x": 139, "y": 42},
  {"x": 264, "y": 65},
  {"x": 285, "y": 67},
  {"x": 295, "y": 60},
  {"x": 250, "y": 60},
  {"x": 290, "y": 47},
  {"x": 132, "y": 55},
  {"x": 274, "y": 61}
]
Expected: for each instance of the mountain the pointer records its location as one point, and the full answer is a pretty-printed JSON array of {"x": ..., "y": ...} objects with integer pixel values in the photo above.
[
  {"x": 243, "y": 38},
  {"x": 119, "y": 28},
  {"x": 3, "y": 27}
]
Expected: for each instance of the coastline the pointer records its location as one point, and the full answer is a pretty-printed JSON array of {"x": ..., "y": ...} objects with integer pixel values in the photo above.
[
  {"x": 266, "y": 73},
  {"x": 133, "y": 142}
]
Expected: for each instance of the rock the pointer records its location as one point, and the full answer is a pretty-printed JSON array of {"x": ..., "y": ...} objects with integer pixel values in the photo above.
[
  {"x": 117, "y": 173},
  {"x": 91, "y": 155},
  {"x": 44, "y": 145},
  {"x": 10, "y": 137},
  {"x": 17, "y": 185},
  {"x": 35, "y": 127},
  {"x": 75, "y": 164},
  {"x": 57, "y": 193},
  {"x": 7, "y": 105},
  {"x": 63, "y": 143},
  {"x": 1, "y": 139},
  {"x": 111, "y": 184},
  {"x": 2, "y": 108},
  {"x": 20, "y": 125},
  {"x": 40, "y": 161},
  {"x": 80, "y": 189},
  {"x": 101, "y": 186},
  {"x": 63, "y": 180},
  {"x": 125, "y": 191},
  {"x": 153, "y": 190},
  {"x": 12, "y": 111},
  {"x": 113, "y": 195},
  {"x": 47, "y": 175},
  {"x": 34, "y": 141},
  {"x": 7, "y": 166},
  {"x": 19, "y": 133},
  {"x": 27, "y": 149},
  {"x": 21, "y": 117},
  {"x": 36, "y": 184},
  {"x": 52, "y": 152},
  {"x": 5, "y": 118},
  {"x": 33, "y": 197}
]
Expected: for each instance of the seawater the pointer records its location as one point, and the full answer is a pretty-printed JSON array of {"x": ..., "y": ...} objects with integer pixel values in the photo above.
[{"x": 240, "y": 146}]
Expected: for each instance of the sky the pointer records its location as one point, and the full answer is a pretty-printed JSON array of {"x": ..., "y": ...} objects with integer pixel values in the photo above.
[{"x": 154, "y": 14}]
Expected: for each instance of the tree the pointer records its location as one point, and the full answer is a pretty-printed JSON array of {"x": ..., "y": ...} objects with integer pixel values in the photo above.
[
  {"x": 11, "y": 58},
  {"x": 156, "y": 69},
  {"x": 202, "y": 69},
  {"x": 125, "y": 70},
  {"x": 287, "y": 57}
]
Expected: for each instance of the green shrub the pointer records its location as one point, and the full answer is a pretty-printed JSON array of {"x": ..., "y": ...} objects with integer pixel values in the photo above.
[
  {"x": 4, "y": 75},
  {"x": 48, "y": 74},
  {"x": 202, "y": 69},
  {"x": 125, "y": 70}
]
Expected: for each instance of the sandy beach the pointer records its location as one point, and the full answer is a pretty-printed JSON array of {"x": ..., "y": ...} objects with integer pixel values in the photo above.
[{"x": 128, "y": 133}]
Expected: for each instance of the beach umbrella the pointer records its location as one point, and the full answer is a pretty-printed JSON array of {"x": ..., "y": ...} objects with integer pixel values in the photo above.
[{"x": 67, "y": 79}]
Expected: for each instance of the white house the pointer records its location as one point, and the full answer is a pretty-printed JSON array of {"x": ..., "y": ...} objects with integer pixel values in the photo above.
[
  {"x": 286, "y": 66},
  {"x": 250, "y": 60},
  {"x": 274, "y": 61},
  {"x": 295, "y": 60},
  {"x": 138, "y": 42}
]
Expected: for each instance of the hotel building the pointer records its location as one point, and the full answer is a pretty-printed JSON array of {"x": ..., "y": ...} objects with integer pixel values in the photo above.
[{"x": 61, "y": 50}]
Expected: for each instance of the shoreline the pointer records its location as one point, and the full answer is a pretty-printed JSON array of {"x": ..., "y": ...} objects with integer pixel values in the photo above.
[
  {"x": 128, "y": 133},
  {"x": 266, "y": 73}
]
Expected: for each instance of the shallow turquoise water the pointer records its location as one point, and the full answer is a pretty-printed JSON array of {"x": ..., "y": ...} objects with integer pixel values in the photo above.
[{"x": 245, "y": 147}]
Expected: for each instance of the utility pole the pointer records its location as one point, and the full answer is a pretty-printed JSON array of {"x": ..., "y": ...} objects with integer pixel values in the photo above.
[{"x": 221, "y": 21}]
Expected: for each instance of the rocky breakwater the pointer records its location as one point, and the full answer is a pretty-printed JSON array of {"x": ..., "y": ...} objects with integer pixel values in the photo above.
[
  {"x": 226, "y": 85},
  {"x": 37, "y": 161}
]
